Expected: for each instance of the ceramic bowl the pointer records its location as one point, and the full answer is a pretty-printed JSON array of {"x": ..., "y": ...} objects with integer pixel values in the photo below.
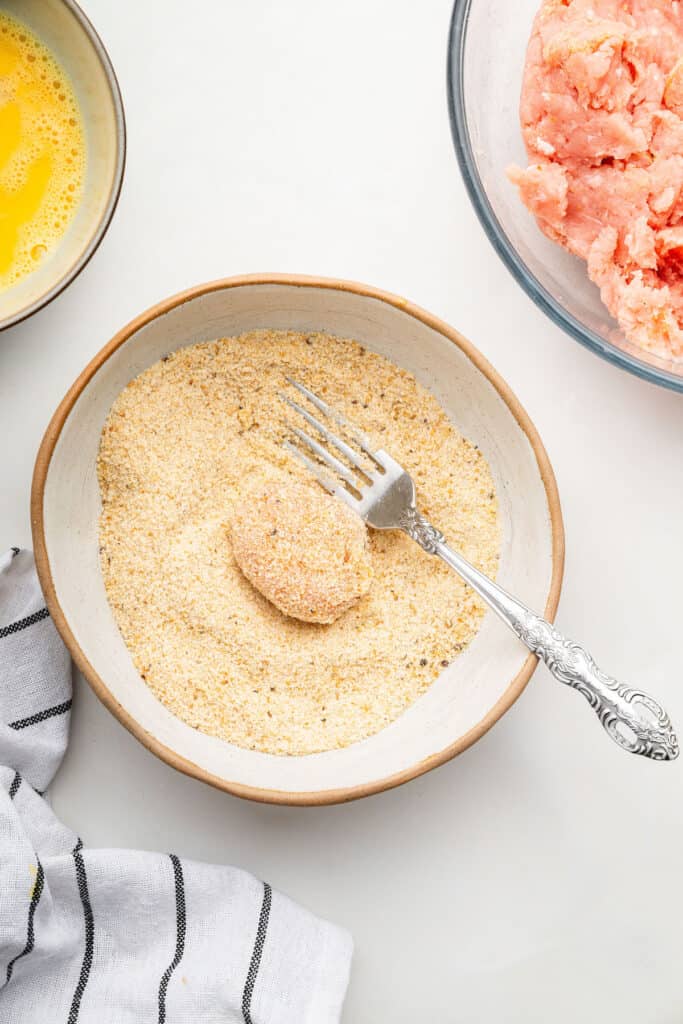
[
  {"x": 468, "y": 697},
  {"x": 67, "y": 33}
]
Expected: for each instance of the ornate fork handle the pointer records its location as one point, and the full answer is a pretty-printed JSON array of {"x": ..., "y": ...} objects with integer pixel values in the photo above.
[{"x": 633, "y": 719}]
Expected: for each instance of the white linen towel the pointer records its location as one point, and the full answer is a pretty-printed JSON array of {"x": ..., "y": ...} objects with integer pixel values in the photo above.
[{"x": 122, "y": 937}]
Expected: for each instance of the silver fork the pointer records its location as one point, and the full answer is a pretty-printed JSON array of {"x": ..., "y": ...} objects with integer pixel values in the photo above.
[{"x": 383, "y": 494}]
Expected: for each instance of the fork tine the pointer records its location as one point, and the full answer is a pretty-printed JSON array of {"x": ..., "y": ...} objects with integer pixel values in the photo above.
[
  {"x": 340, "y": 445},
  {"x": 357, "y": 435},
  {"x": 330, "y": 460},
  {"x": 338, "y": 490},
  {"x": 311, "y": 466}
]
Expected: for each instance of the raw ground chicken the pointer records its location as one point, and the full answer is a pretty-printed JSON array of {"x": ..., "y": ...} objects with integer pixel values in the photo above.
[
  {"x": 602, "y": 118},
  {"x": 181, "y": 445}
]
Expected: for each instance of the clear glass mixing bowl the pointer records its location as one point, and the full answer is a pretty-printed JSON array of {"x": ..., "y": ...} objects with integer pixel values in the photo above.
[{"x": 486, "y": 52}]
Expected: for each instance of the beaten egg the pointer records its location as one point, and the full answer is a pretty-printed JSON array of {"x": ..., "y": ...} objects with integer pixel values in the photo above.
[{"x": 42, "y": 152}]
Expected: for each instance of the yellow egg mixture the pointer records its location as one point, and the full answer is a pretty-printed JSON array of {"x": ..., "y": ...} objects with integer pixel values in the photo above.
[{"x": 42, "y": 151}]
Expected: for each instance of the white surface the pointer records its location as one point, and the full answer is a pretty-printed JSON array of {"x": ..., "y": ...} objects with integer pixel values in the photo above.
[
  {"x": 536, "y": 877},
  {"x": 464, "y": 694}
]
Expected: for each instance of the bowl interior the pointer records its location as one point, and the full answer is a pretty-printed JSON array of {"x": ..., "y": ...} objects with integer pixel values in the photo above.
[
  {"x": 486, "y": 61},
  {"x": 59, "y": 25},
  {"x": 466, "y": 693}
]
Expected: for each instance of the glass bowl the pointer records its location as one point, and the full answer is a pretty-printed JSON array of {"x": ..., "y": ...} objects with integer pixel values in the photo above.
[{"x": 486, "y": 52}]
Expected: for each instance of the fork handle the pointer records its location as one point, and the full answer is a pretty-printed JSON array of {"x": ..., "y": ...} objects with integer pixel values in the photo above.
[{"x": 633, "y": 719}]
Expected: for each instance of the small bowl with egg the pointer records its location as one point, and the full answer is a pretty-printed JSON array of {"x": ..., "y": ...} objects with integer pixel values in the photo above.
[
  {"x": 62, "y": 150},
  {"x": 162, "y": 481}
]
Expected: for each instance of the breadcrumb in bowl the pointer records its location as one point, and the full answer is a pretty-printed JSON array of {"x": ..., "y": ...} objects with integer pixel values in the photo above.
[
  {"x": 195, "y": 443},
  {"x": 465, "y": 699}
]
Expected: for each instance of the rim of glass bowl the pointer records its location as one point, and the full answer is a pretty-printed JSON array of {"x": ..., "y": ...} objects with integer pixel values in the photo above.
[{"x": 457, "y": 42}]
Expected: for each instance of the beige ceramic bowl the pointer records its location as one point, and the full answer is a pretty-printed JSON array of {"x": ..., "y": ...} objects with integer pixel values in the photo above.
[
  {"x": 469, "y": 696},
  {"x": 64, "y": 29}
]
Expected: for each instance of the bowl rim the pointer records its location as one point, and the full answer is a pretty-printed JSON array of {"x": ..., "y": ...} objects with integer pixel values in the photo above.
[
  {"x": 175, "y": 760},
  {"x": 457, "y": 40},
  {"x": 116, "y": 185}
]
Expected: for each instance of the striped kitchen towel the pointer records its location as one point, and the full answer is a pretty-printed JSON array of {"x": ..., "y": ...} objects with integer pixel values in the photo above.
[{"x": 116, "y": 936}]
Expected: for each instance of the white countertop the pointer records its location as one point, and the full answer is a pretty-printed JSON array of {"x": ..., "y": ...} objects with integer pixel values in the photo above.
[{"x": 537, "y": 876}]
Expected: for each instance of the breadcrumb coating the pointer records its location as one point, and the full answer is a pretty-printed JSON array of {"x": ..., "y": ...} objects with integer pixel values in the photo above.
[{"x": 303, "y": 549}]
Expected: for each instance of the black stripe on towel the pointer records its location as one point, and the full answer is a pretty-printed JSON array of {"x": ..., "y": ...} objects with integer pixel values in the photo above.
[
  {"x": 30, "y": 620},
  {"x": 88, "y": 952},
  {"x": 41, "y": 716},
  {"x": 30, "y": 936},
  {"x": 257, "y": 953},
  {"x": 181, "y": 927},
  {"x": 16, "y": 782}
]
